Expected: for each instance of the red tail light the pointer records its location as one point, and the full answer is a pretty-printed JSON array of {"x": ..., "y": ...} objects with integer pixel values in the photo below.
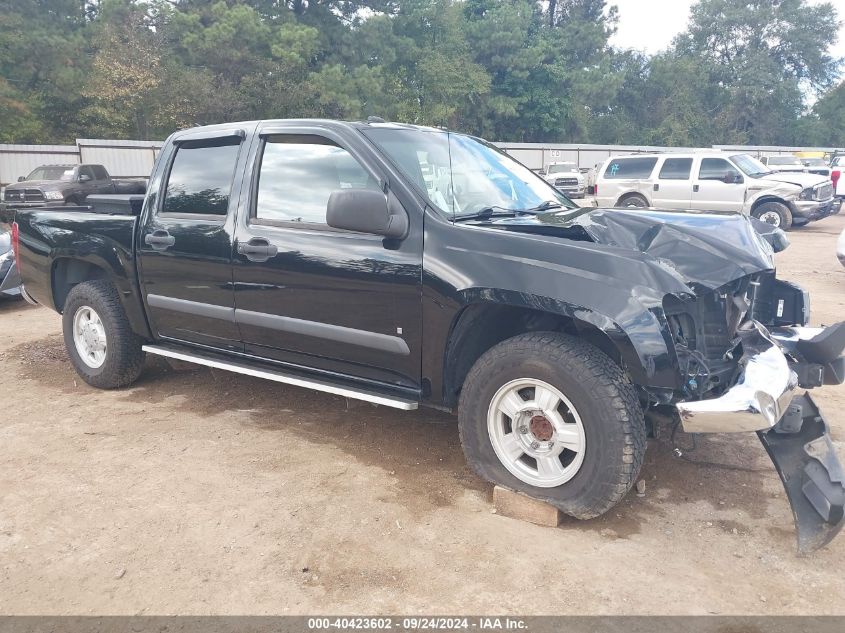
[
  {"x": 834, "y": 176},
  {"x": 15, "y": 245}
]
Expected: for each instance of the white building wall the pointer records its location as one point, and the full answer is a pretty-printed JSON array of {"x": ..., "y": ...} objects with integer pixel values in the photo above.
[
  {"x": 122, "y": 159},
  {"x": 20, "y": 160}
]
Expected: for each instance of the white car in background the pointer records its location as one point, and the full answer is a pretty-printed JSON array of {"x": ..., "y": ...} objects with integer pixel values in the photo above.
[
  {"x": 817, "y": 166},
  {"x": 566, "y": 178},
  {"x": 714, "y": 181},
  {"x": 784, "y": 163}
]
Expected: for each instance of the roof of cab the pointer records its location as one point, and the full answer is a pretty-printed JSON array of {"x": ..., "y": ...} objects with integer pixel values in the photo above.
[{"x": 325, "y": 122}]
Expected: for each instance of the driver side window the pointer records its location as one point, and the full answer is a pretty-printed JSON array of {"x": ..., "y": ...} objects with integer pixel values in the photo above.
[{"x": 298, "y": 173}]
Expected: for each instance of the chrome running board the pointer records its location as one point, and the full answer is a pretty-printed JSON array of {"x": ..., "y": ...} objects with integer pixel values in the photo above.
[{"x": 279, "y": 376}]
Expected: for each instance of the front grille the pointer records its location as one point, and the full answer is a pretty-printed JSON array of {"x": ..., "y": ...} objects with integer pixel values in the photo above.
[
  {"x": 824, "y": 192},
  {"x": 24, "y": 195},
  {"x": 566, "y": 182}
]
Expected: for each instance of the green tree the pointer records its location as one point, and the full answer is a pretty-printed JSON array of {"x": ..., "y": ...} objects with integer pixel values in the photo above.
[
  {"x": 825, "y": 125},
  {"x": 43, "y": 62},
  {"x": 763, "y": 53}
]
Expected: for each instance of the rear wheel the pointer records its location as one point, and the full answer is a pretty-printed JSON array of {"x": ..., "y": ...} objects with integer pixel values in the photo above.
[
  {"x": 104, "y": 350},
  {"x": 774, "y": 213},
  {"x": 551, "y": 416},
  {"x": 635, "y": 201}
]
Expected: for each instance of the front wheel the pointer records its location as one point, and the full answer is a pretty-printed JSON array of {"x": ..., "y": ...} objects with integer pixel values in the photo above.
[
  {"x": 774, "y": 213},
  {"x": 104, "y": 350},
  {"x": 552, "y": 416}
]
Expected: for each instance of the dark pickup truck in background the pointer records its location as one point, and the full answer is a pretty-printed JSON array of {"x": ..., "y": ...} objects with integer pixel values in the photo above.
[
  {"x": 404, "y": 266},
  {"x": 64, "y": 184}
]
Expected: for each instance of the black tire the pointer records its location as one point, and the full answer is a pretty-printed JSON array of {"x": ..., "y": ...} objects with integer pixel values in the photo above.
[
  {"x": 600, "y": 391},
  {"x": 633, "y": 201},
  {"x": 781, "y": 210},
  {"x": 72, "y": 201},
  {"x": 124, "y": 357}
]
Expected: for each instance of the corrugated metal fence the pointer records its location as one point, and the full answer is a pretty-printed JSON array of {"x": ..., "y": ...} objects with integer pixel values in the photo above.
[
  {"x": 122, "y": 159},
  {"x": 539, "y": 155}
]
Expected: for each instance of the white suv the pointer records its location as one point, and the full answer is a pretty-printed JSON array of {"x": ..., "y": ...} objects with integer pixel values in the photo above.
[{"x": 714, "y": 181}]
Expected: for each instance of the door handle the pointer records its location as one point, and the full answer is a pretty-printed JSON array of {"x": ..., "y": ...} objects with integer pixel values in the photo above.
[
  {"x": 656, "y": 187},
  {"x": 695, "y": 188},
  {"x": 258, "y": 249},
  {"x": 160, "y": 240}
]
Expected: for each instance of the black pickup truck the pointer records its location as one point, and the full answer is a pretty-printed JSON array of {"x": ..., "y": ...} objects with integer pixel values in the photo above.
[
  {"x": 405, "y": 266},
  {"x": 64, "y": 184}
]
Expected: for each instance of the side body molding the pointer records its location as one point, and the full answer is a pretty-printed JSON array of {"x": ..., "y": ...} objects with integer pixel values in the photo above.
[{"x": 326, "y": 331}]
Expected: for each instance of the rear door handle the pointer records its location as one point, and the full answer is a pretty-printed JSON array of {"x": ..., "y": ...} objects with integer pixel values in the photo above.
[
  {"x": 656, "y": 187},
  {"x": 160, "y": 240},
  {"x": 258, "y": 249},
  {"x": 695, "y": 188}
]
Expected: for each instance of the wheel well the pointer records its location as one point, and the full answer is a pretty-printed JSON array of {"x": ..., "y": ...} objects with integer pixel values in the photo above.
[
  {"x": 481, "y": 326},
  {"x": 630, "y": 194},
  {"x": 69, "y": 272},
  {"x": 764, "y": 200}
]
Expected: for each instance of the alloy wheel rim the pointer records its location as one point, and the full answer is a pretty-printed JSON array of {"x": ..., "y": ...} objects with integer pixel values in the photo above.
[
  {"x": 89, "y": 337},
  {"x": 536, "y": 432}
]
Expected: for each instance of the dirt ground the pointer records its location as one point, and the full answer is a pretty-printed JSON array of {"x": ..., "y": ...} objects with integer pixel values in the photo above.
[{"x": 200, "y": 492}]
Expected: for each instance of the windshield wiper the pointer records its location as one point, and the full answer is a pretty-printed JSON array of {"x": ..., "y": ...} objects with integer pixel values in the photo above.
[
  {"x": 489, "y": 212},
  {"x": 548, "y": 204},
  {"x": 502, "y": 212}
]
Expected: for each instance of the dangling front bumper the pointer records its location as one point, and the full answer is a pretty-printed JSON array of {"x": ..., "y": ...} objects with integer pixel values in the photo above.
[
  {"x": 774, "y": 365},
  {"x": 810, "y": 471}
]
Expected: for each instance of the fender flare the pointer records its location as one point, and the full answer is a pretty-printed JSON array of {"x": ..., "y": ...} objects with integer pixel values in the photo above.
[{"x": 642, "y": 340}]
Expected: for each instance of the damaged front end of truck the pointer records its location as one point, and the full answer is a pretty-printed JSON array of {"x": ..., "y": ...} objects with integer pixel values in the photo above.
[
  {"x": 743, "y": 351},
  {"x": 768, "y": 396},
  {"x": 747, "y": 359}
]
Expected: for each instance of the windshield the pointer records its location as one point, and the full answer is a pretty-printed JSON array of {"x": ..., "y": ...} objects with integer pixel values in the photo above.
[
  {"x": 814, "y": 162},
  {"x": 750, "y": 165},
  {"x": 462, "y": 175},
  {"x": 53, "y": 172},
  {"x": 563, "y": 168},
  {"x": 784, "y": 160}
]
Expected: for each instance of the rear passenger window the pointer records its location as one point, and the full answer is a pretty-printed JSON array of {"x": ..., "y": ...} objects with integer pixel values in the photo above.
[
  {"x": 676, "y": 169},
  {"x": 298, "y": 174},
  {"x": 630, "y": 167},
  {"x": 200, "y": 179}
]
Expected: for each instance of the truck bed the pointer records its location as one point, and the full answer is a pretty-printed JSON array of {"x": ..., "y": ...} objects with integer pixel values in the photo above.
[{"x": 98, "y": 237}]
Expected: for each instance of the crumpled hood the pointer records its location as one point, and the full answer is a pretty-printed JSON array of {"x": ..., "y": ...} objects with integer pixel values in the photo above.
[
  {"x": 801, "y": 179},
  {"x": 705, "y": 249}
]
